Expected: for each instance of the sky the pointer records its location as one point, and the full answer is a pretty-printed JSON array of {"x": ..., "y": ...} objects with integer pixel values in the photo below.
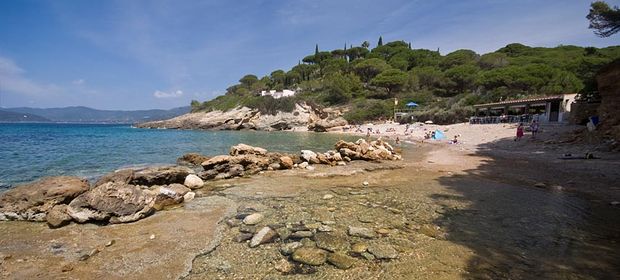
[{"x": 134, "y": 54}]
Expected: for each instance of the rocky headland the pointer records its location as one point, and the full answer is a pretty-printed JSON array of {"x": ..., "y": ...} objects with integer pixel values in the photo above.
[{"x": 303, "y": 117}]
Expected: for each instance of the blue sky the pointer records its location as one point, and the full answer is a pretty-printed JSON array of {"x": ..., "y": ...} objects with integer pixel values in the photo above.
[{"x": 162, "y": 54}]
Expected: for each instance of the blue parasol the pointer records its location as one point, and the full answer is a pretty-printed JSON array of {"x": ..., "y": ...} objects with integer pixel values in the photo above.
[{"x": 411, "y": 104}]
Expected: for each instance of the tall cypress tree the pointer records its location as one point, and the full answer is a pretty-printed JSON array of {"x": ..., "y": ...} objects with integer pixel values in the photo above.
[
  {"x": 380, "y": 43},
  {"x": 316, "y": 49},
  {"x": 409, "y": 45}
]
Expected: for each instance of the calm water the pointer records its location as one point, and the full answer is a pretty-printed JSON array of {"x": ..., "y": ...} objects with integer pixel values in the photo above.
[{"x": 32, "y": 151}]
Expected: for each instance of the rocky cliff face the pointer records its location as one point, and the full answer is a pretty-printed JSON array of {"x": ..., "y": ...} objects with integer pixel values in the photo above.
[
  {"x": 608, "y": 80},
  {"x": 245, "y": 118}
]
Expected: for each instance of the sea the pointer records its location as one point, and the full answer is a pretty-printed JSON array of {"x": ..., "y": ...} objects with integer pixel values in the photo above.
[{"x": 29, "y": 151}]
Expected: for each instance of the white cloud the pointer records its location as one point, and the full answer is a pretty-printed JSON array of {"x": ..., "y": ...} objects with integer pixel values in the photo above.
[
  {"x": 12, "y": 79},
  {"x": 78, "y": 82},
  {"x": 173, "y": 94}
]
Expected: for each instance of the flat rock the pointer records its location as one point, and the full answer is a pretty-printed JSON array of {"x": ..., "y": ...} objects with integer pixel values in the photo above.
[
  {"x": 265, "y": 235},
  {"x": 383, "y": 251},
  {"x": 310, "y": 256},
  {"x": 340, "y": 260},
  {"x": 284, "y": 266},
  {"x": 32, "y": 201},
  {"x": 243, "y": 149},
  {"x": 331, "y": 242},
  {"x": 361, "y": 232},
  {"x": 359, "y": 247},
  {"x": 118, "y": 176}
]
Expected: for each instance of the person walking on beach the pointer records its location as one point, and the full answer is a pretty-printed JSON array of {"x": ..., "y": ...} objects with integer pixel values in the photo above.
[
  {"x": 534, "y": 128},
  {"x": 519, "y": 132}
]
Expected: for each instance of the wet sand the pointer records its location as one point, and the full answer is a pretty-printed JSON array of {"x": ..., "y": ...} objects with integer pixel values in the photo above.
[{"x": 451, "y": 212}]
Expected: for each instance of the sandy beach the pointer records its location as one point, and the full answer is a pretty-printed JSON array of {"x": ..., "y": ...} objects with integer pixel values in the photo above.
[{"x": 485, "y": 208}]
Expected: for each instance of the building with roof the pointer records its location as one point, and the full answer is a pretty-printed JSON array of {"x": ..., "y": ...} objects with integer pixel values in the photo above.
[
  {"x": 278, "y": 94},
  {"x": 546, "y": 109}
]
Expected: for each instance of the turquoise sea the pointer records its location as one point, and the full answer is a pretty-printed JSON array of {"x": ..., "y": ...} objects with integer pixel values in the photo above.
[{"x": 32, "y": 151}]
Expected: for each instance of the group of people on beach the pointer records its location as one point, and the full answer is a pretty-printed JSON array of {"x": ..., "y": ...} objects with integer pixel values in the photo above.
[{"x": 534, "y": 127}]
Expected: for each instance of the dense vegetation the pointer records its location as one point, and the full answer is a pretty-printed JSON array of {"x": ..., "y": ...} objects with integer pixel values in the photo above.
[{"x": 367, "y": 80}]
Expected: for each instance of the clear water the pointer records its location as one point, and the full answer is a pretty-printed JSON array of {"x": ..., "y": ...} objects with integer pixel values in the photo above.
[{"x": 32, "y": 151}]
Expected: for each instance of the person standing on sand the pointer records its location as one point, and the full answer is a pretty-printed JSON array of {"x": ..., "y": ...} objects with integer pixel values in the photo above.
[
  {"x": 534, "y": 127},
  {"x": 519, "y": 132}
]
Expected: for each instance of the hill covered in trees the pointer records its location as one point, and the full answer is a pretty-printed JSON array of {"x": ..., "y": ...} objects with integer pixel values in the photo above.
[{"x": 366, "y": 81}]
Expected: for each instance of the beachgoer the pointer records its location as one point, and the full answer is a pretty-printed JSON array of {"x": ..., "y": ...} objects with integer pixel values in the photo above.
[
  {"x": 519, "y": 132},
  {"x": 397, "y": 140},
  {"x": 534, "y": 128},
  {"x": 455, "y": 140}
]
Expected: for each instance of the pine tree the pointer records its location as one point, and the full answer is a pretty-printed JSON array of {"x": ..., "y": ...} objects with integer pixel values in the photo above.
[{"x": 380, "y": 43}]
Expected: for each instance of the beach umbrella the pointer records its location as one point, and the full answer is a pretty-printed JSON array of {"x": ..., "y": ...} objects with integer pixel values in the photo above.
[{"x": 411, "y": 104}]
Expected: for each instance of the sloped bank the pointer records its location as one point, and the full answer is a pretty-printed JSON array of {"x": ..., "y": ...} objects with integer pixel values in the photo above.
[{"x": 302, "y": 117}]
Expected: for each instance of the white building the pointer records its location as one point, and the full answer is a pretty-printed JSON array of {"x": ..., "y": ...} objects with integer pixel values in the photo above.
[{"x": 278, "y": 94}]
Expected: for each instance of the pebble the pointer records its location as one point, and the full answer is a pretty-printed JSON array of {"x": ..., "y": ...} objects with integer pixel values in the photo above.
[
  {"x": 110, "y": 243},
  {"x": 265, "y": 235},
  {"x": 340, "y": 260},
  {"x": 310, "y": 256},
  {"x": 152, "y": 236},
  {"x": 303, "y": 164},
  {"x": 233, "y": 222},
  {"x": 361, "y": 232},
  {"x": 328, "y": 222},
  {"x": 302, "y": 234},
  {"x": 284, "y": 266},
  {"x": 328, "y": 196},
  {"x": 66, "y": 267},
  {"x": 365, "y": 183},
  {"x": 307, "y": 242},
  {"x": 359, "y": 247},
  {"x": 324, "y": 228},
  {"x": 331, "y": 242},
  {"x": 284, "y": 233},
  {"x": 247, "y": 229},
  {"x": 189, "y": 196},
  {"x": 253, "y": 219},
  {"x": 368, "y": 256},
  {"x": 259, "y": 193},
  {"x": 242, "y": 237},
  {"x": 310, "y": 167},
  {"x": 383, "y": 251},
  {"x": 384, "y": 231},
  {"x": 288, "y": 248}
]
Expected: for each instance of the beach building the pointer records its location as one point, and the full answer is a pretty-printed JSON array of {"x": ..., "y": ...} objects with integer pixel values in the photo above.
[
  {"x": 548, "y": 109},
  {"x": 278, "y": 94}
]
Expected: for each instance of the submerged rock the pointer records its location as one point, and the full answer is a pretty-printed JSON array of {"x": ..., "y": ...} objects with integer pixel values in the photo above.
[
  {"x": 310, "y": 256},
  {"x": 361, "y": 232},
  {"x": 33, "y": 201},
  {"x": 340, "y": 260},
  {"x": 263, "y": 236},
  {"x": 383, "y": 251}
]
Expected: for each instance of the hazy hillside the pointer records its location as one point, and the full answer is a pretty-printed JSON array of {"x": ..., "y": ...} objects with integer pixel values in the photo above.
[
  {"x": 6, "y": 116},
  {"x": 85, "y": 114}
]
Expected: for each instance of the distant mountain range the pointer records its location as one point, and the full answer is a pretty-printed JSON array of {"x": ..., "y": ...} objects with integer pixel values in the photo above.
[{"x": 79, "y": 114}]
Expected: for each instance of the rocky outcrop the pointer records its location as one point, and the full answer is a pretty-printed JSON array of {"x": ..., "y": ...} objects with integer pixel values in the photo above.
[
  {"x": 112, "y": 202},
  {"x": 192, "y": 159},
  {"x": 161, "y": 175},
  {"x": 33, "y": 201},
  {"x": 362, "y": 150},
  {"x": 303, "y": 115},
  {"x": 608, "y": 80}
]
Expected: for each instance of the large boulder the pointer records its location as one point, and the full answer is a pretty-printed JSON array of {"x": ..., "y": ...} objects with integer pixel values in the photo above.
[
  {"x": 286, "y": 162},
  {"x": 58, "y": 217},
  {"x": 161, "y": 175},
  {"x": 193, "y": 182},
  {"x": 112, "y": 202},
  {"x": 118, "y": 176},
  {"x": 324, "y": 125},
  {"x": 309, "y": 156},
  {"x": 34, "y": 200},
  {"x": 243, "y": 149}
]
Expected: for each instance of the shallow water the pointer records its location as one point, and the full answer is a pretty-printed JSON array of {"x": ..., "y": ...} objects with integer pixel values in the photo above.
[{"x": 31, "y": 151}]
